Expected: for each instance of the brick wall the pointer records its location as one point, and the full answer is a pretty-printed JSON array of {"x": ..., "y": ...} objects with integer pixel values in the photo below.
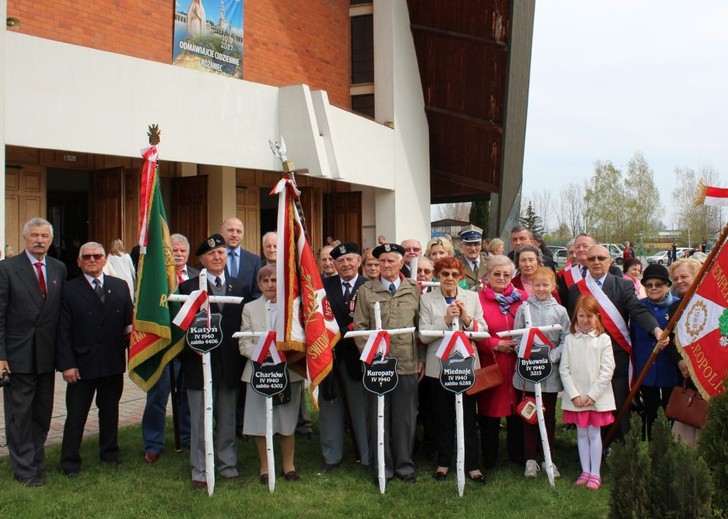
[{"x": 285, "y": 41}]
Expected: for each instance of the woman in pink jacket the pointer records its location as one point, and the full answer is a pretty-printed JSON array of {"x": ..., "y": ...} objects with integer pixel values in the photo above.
[{"x": 500, "y": 300}]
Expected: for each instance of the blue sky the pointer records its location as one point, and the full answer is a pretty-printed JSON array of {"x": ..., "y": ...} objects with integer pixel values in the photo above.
[{"x": 612, "y": 78}]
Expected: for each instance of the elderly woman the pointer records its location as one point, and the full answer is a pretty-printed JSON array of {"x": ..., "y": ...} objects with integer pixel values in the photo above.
[
  {"x": 500, "y": 301},
  {"x": 369, "y": 265},
  {"x": 528, "y": 259},
  {"x": 632, "y": 269},
  {"x": 663, "y": 375},
  {"x": 438, "y": 309},
  {"x": 683, "y": 272},
  {"x": 258, "y": 316},
  {"x": 439, "y": 248}
]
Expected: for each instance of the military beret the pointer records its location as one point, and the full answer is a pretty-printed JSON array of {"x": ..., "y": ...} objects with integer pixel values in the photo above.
[
  {"x": 212, "y": 242},
  {"x": 345, "y": 248},
  {"x": 387, "y": 247}
]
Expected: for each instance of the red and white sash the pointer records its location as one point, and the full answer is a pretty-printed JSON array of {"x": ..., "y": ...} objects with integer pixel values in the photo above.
[
  {"x": 457, "y": 341},
  {"x": 612, "y": 319},
  {"x": 572, "y": 275}
]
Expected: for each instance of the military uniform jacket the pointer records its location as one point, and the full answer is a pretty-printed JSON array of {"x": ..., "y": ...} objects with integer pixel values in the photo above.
[{"x": 400, "y": 310}]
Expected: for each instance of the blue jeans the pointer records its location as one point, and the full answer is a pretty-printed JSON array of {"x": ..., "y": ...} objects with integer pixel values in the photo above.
[{"x": 154, "y": 419}]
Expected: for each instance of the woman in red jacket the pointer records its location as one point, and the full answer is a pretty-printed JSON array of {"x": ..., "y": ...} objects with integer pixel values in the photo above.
[{"x": 500, "y": 300}]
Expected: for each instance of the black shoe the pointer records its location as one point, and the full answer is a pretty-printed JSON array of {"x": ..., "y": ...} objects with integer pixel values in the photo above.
[
  {"x": 478, "y": 479},
  {"x": 439, "y": 476},
  {"x": 291, "y": 476},
  {"x": 408, "y": 478},
  {"x": 32, "y": 481},
  {"x": 70, "y": 473},
  {"x": 329, "y": 467},
  {"x": 114, "y": 462}
]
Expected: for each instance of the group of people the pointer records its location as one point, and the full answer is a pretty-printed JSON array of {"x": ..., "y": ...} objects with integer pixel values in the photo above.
[{"x": 80, "y": 327}]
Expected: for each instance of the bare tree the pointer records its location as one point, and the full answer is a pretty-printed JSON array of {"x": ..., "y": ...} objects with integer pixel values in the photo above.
[
  {"x": 698, "y": 223},
  {"x": 571, "y": 208},
  {"x": 542, "y": 205},
  {"x": 456, "y": 211}
]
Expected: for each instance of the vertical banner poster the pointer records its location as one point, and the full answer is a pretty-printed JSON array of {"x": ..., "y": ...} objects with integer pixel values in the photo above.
[{"x": 208, "y": 35}]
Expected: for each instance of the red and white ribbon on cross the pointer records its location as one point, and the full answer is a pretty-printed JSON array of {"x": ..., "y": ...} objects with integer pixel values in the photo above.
[
  {"x": 455, "y": 341},
  {"x": 267, "y": 346},
  {"x": 196, "y": 300},
  {"x": 527, "y": 341},
  {"x": 376, "y": 343}
]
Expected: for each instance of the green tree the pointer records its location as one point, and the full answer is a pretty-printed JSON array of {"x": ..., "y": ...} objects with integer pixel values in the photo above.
[
  {"x": 479, "y": 213},
  {"x": 604, "y": 202},
  {"x": 642, "y": 207},
  {"x": 530, "y": 219}
]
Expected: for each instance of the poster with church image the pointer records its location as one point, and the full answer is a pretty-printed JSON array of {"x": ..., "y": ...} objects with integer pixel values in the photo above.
[{"x": 208, "y": 36}]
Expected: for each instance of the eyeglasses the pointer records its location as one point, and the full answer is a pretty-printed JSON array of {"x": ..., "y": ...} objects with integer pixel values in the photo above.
[
  {"x": 654, "y": 285},
  {"x": 412, "y": 249},
  {"x": 87, "y": 257},
  {"x": 424, "y": 271},
  {"x": 597, "y": 258},
  {"x": 448, "y": 274},
  {"x": 500, "y": 274}
]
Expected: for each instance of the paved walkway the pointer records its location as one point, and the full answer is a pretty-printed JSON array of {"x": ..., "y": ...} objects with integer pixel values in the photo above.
[{"x": 131, "y": 408}]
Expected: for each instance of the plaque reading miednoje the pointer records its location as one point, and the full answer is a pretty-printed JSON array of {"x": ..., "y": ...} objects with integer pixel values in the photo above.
[
  {"x": 456, "y": 373},
  {"x": 201, "y": 337}
]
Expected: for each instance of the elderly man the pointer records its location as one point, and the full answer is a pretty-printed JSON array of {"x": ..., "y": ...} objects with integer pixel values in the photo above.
[
  {"x": 326, "y": 262},
  {"x": 155, "y": 411},
  {"x": 93, "y": 336},
  {"x": 618, "y": 305},
  {"x": 578, "y": 268},
  {"x": 30, "y": 306},
  {"x": 270, "y": 248},
  {"x": 399, "y": 301},
  {"x": 475, "y": 263},
  {"x": 225, "y": 361},
  {"x": 341, "y": 292},
  {"x": 412, "y": 253},
  {"x": 241, "y": 264}
]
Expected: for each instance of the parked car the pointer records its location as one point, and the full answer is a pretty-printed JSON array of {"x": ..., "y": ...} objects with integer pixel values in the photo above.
[
  {"x": 659, "y": 258},
  {"x": 616, "y": 251},
  {"x": 560, "y": 257}
]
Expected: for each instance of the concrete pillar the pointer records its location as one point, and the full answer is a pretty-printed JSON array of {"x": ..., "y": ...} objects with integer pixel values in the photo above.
[
  {"x": 3, "y": 46},
  {"x": 220, "y": 193}
]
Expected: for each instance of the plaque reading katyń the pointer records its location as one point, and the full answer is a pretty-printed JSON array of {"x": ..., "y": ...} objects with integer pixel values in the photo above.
[
  {"x": 456, "y": 373},
  {"x": 201, "y": 337},
  {"x": 380, "y": 377},
  {"x": 538, "y": 367},
  {"x": 268, "y": 378}
]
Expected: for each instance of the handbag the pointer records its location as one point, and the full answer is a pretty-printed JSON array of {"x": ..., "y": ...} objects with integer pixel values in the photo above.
[
  {"x": 687, "y": 406},
  {"x": 526, "y": 409},
  {"x": 486, "y": 377},
  {"x": 283, "y": 397}
]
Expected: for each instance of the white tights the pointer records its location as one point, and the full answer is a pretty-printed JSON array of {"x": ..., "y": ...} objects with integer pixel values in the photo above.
[{"x": 589, "y": 441}]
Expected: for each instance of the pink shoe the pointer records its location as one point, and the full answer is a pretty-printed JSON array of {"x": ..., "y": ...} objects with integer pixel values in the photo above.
[
  {"x": 594, "y": 483},
  {"x": 582, "y": 479}
]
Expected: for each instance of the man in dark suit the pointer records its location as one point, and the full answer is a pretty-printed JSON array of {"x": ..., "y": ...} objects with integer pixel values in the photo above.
[
  {"x": 341, "y": 291},
  {"x": 582, "y": 243},
  {"x": 226, "y": 364},
  {"x": 241, "y": 264},
  {"x": 600, "y": 282},
  {"x": 155, "y": 412},
  {"x": 30, "y": 305},
  {"x": 93, "y": 335}
]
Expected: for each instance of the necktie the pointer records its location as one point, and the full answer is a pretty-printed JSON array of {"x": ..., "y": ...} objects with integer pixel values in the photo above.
[
  {"x": 583, "y": 272},
  {"x": 599, "y": 283},
  {"x": 233, "y": 263},
  {"x": 392, "y": 288},
  {"x": 475, "y": 267},
  {"x": 180, "y": 278},
  {"x": 99, "y": 289},
  {"x": 218, "y": 284},
  {"x": 41, "y": 277},
  {"x": 347, "y": 291}
]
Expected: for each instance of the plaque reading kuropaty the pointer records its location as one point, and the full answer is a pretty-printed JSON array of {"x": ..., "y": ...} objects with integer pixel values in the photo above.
[
  {"x": 269, "y": 379},
  {"x": 537, "y": 368},
  {"x": 380, "y": 377},
  {"x": 201, "y": 337},
  {"x": 456, "y": 373}
]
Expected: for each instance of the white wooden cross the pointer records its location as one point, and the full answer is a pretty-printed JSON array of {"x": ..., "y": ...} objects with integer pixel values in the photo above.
[
  {"x": 268, "y": 420},
  {"x": 537, "y": 389},
  {"x": 382, "y": 476},
  {"x": 207, "y": 383},
  {"x": 459, "y": 424}
]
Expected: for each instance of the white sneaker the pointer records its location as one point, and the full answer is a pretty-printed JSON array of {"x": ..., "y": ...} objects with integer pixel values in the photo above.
[
  {"x": 557, "y": 474},
  {"x": 532, "y": 469}
]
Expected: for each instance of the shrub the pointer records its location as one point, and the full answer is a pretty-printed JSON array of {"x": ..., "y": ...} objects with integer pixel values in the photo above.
[
  {"x": 629, "y": 466},
  {"x": 713, "y": 447},
  {"x": 686, "y": 487}
]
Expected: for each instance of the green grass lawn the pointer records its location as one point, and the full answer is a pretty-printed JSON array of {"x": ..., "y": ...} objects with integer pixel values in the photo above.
[{"x": 138, "y": 490}]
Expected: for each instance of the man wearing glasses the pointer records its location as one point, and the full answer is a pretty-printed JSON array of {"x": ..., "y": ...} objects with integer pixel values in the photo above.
[
  {"x": 412, "y": 255},
  {"x": 618, "y": 305},
  {"x": 93, "y": 335},
  {"x": 475, "y": 263}
]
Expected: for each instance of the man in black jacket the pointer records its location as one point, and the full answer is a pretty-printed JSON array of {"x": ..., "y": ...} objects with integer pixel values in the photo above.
[{"x": 93, "y": 335}]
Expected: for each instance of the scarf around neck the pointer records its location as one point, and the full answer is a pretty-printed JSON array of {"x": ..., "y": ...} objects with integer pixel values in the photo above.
[{"x": 504, "y": 299}]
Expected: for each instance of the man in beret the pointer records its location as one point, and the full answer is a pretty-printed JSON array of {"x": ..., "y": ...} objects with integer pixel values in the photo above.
[
  {"x": 475, "y": 263},
  {"x": 225, "y": 361},
  {"x": 341, "y": 292},
  {"x": 399, "y": 300}
]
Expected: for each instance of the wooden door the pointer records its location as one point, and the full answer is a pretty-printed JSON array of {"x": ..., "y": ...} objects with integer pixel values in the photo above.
[
  {"x": 342, "y": 216},
  {"x": 247, "y": 208},
  {"x": 130, "y": 224},
  {"x": 25, "y": 198},
  {"x": 311, "y": 205},
  {"x": 106, "y": 206},
  {"x": 189, "y": 211}
]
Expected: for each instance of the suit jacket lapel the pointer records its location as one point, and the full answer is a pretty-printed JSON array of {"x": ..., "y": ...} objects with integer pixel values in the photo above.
[{"x": 26, "y": 272}]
